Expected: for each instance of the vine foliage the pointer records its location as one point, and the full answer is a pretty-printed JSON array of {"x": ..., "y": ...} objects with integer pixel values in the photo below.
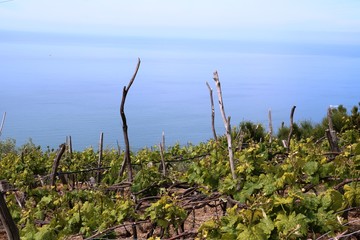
[{"x": 305, "y": 192}]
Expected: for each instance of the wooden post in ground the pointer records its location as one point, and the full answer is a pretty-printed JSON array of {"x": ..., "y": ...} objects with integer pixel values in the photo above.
[
  {"x": 291, "y": 128},
  {"x": 212, "y": 111},
  {"x": 101, "y": 143},
  {"x": 127, "y": 158},
  {"x": 61, "y": 151},
  {"x": 270, "y": 127},
  {"x": 162, "y": 147},
  {"x": 331, "y": 133},
  {"x": 118, "y": 147},
  {"x": 227, "y": 125},
  {"x": 10, "y": 227},
  {"x": 69, "y": 145},
  {"x": 2, "y": 123}
]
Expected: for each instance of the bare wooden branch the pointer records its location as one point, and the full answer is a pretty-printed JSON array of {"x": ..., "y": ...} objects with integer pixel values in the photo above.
[
  {"x": 227, "y": 125},
  {"x": 118, "y": 147},
  {"x": 329, "y": 117},
  {"x": 2, "y": 123},
  {"x": 241, "y": 140},
  {"x": 331, "y": 133},
  {"x": 346, "y": 181},
  {"x": 162, "y": 147},
  {"x": 212, "y": 111},
  {"x": 343, "y": 235},
  {"x": 101, "y": 143},
  {"x": 187, "y": 234},
  {"x": 99, "y": 234},
  {"x": 270, "y": 126},
  {"x": 69, "y": 145},
  {"x": 61, "y": 151},
  {"x": 163, "y": 139},
  {"x": 81, "y": 171},
  {"x": 10, "y": 227},
  {"x": 134, "y": 230},
  {"x": 123, "y": 166},
  {"x": 125, "y": 127},
  {"x": 291, "y": 128}
]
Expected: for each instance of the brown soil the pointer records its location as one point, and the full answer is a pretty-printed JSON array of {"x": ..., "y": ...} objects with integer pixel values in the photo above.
[
  {"x": 2, "y": 232},
  {"x": 3, "y": 236}
]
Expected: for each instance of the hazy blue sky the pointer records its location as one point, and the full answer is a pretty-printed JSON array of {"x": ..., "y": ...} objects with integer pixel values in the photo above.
[{"x": 193, "y": 18}]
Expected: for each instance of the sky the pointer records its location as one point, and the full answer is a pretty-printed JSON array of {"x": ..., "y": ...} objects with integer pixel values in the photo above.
[{"x": 192, "y": 18}]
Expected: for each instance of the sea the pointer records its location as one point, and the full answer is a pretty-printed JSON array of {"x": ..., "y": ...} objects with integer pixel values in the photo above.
[{"x": 55, "y": 85}]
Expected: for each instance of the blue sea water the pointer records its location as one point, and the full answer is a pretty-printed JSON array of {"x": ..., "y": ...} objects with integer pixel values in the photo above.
[{"x": 57, "y": 85}]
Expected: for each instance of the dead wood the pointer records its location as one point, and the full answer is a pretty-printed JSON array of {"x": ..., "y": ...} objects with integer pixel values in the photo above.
[
  {"x": 227, "y": 125},
  {"x": 291, "y": 128},
  {"x": 10, "y": 227},
  {"x": 99, "y": 234},
  {"x": 346, "y": 181},
  {"x": 69, "y": 145},
  {"x": 127, "y": 159},
  {"x": 212, "y": 111},
  {"x": 56, "y": 163},
  {"x": 270, "y": 126},
  {"x": 162, "y": 147},
  {"x": 2, "y": 123},
  {"x": 186, "y": 234},
  {"x": 101, "y": 143}
]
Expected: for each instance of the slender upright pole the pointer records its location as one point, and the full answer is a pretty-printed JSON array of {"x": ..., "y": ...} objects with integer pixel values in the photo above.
[
  {"x": 212, "y": 111},
  {"x": 101, "y": 143},
  {"x": 227, "y": 125},
  {"x": 270, "y": 127},
  {"x": 127, "y": 158},
  {"x": 291, "y": 128},
  {"x": 2, "y": 123},
  {"x": 10, "y": 227},
  {"x": 162, "y": 147},
  {"x": 56, "y": 163}
]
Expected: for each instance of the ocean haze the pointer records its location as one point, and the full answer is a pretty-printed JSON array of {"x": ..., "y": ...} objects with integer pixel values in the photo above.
[{"x": 56, "y": 85}]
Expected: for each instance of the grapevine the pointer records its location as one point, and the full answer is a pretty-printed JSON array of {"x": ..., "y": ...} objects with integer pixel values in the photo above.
[{"x": 305, "y": 192}]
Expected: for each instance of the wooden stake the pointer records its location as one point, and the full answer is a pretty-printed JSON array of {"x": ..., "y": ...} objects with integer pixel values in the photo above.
[
  {"x": 10, "y": 227},
  {"x": 331, "y": 133},
  {"x": 101, "y": 143},
  {"x": 56, "y": 163},
  {"x": 162, "y": 147},
  {"x": 118, "y": 147},
  {"x": 291, "y": 128},
  {"x": 2, "y": 123},
  {"x": 212, "y": 111},
  {"x": 125, "y": 127},
  {"x": 69, "y": 145},
  {"x": 270, "y": 127},
  {"x": 227, "y": 125}
]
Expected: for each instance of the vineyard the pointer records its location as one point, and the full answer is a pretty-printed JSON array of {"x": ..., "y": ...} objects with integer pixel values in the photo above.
[
  {"x": 245, "y": 184},
  {"x": 302, "y": 191}
]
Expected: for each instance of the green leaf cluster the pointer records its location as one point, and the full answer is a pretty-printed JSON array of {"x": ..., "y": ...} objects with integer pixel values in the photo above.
[{"x": 166, "y": 212}]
